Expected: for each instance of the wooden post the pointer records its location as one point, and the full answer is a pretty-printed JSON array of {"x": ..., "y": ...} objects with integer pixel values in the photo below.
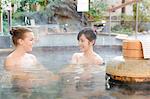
[
  {"x": 112, "y": 9},
  {"x": 9, "y": 20},
  {"x": 123, "y": 10}
]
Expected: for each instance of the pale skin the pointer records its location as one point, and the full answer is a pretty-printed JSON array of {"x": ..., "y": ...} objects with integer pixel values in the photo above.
[
  {"x": 83, "y": 64},
  {"x": 20, "y": 63},
  {"x": 86, "y": 60},
  {"x": 87, "y": 55}
]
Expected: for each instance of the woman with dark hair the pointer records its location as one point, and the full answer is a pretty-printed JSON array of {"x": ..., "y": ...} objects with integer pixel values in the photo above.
[
  {"x": 85, "y": 63},
  {"x": 21, "y": 64},
  {"x": 86, "y": 38}
]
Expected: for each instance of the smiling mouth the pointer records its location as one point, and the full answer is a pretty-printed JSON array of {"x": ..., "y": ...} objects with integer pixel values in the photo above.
[{"x": 81, "y": 47}]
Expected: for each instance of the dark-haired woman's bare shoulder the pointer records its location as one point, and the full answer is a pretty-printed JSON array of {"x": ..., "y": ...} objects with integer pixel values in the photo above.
[
  {"x": 76, "y": 57},
  {"x": 99, "y": 59}
]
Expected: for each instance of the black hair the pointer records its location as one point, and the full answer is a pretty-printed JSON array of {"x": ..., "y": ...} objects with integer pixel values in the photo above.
[{"x": 89, "y": 34}]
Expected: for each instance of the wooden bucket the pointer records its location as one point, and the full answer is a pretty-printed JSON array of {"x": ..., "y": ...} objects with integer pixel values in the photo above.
[{"x": 132, "y": 49}]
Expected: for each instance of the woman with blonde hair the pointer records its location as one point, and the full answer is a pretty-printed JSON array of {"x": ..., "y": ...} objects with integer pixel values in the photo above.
[{"x": 22, "y": 65}]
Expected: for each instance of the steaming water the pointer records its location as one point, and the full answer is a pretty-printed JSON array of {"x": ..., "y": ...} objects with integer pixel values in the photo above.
[{"x": 75, "y": 82}]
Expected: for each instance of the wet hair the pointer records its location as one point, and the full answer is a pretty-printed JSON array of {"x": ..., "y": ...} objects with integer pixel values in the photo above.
[
  {"x": 89, "y": 34},
  {"x": 18, "y": 33}
]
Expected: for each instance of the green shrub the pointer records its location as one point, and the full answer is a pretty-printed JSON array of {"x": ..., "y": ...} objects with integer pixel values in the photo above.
[{"x": 122, "y": 30}]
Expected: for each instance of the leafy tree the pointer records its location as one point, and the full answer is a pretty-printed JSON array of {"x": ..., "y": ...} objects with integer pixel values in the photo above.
[
  {"x": 143, "y": 13},
  {"x": 97, "y": 9}
]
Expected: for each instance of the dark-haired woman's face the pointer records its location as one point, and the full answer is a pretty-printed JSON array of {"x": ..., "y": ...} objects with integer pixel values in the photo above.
[
  {"x": 84, "y": 43},
  {"x": 27, "y": 42}
]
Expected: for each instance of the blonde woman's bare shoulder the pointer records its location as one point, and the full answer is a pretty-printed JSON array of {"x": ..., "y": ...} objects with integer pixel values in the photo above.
[
  {"x": 30, "y": 56},
  {"x": 9, "y": 59},
  {"x": 9, "y": 62}
]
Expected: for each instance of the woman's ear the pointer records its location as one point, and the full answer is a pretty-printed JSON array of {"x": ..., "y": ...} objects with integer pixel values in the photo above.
[
  {"x": 93, "y": 42},
  {"x": 20, "y": 41}
]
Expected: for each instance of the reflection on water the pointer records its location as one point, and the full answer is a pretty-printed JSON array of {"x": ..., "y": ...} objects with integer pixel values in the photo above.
[
  {"x": 75, "y": 82},
  {"x": 16, "y": 88},
  {"x": 82, "y": 82}
]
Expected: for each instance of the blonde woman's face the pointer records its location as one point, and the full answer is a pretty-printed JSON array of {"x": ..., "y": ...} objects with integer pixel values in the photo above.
[
  {"x": 27, "y": 42},
  {"x": 84, "y": 43}
]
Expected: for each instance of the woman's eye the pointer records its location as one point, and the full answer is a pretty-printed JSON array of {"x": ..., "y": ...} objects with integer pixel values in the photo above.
[{"x": 81, "y": 40}]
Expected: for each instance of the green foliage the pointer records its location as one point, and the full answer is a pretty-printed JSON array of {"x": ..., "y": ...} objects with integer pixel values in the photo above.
[
  {"x": 5, "y": 25},
  {"x": 97, "y": 9},
  {"x": 143, "y": 14},
  {"x": 29, "y": 1},
  {"x": 17, "y": 15},
  {"x": 122, "y": 29},
  {"x": 3, "y": 4},
  {"x": 143, "y": 11},
  {"x": 125, "y": 17}
]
